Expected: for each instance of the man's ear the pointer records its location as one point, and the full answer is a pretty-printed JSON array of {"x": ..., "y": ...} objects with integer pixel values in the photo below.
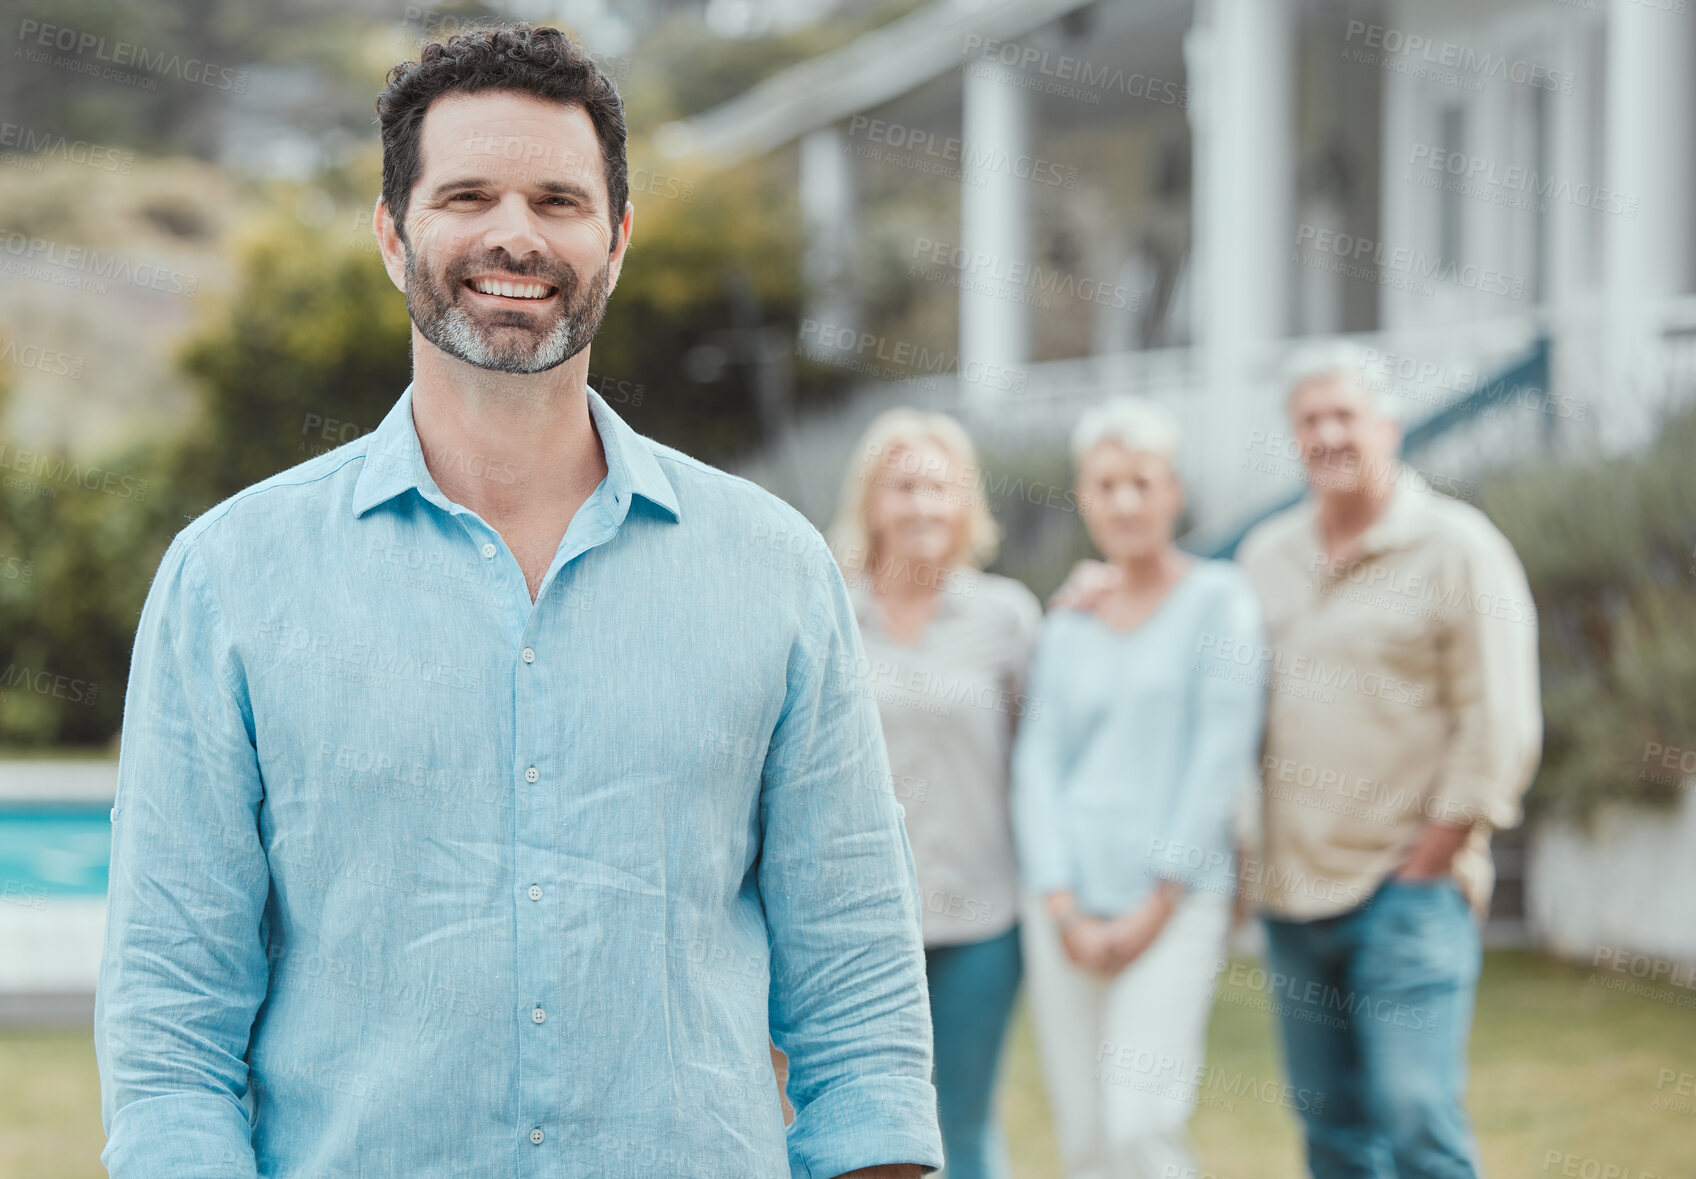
[
  {"x": 621, "y": 242},
  {"x": 389, "y": 244}
]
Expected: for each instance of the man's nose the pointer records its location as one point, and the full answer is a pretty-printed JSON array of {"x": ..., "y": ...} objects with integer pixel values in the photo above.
[
  {"x": 1127, "y": 499},
  {"x": 511, "y": 226},
  {"x": 1331, "y": 434}
]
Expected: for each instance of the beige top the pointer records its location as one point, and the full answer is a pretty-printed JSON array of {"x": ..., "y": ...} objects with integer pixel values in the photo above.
[
  {"x": 1403, "y": 689},
  {"x": 949, "y": 702}
]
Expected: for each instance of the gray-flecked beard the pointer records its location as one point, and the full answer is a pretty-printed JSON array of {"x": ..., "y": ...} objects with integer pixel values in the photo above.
[{"x": 435, "y": 307}]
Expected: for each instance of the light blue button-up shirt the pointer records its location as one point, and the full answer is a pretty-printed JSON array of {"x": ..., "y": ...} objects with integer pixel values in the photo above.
[{"x": 412, "y": 877}]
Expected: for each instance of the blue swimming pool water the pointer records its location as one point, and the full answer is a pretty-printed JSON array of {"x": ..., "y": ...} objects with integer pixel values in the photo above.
[{"x": 62, "y": 851}]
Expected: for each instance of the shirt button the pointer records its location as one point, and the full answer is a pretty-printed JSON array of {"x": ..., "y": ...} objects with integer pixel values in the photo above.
[
  {"x": 530, "y": 775},
  {"x": 535, "y": 892},
  {"x": 489, "y": 551},
  {"x": 538, "y": 1015},
  {"x": 536, "y": 1136},
  {"x": 529, "y": 655}
]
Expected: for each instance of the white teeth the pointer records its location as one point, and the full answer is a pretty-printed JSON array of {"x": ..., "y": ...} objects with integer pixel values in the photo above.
[{"x": 512, "y": 290}]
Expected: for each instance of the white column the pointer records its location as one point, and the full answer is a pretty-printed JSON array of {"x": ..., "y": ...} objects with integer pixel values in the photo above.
[
  {"x": 1239, "y": 55},
  {"x": 826, "y": 192},
  {"x": 1647, "y": 158},
  {"x": 994, "y": 220}
]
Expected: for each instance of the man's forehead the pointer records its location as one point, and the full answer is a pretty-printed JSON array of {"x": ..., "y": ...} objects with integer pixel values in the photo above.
[
  {"x": 1338, "y": 389},
  {"x": 518, "y": 136}
]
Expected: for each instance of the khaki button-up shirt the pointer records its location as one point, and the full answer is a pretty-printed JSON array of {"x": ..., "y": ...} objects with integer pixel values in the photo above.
[{"x": 1404, "y": 691}]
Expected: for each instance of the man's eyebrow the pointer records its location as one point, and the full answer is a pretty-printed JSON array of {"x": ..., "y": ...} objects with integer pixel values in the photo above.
[{"x": 559, "y": 187}]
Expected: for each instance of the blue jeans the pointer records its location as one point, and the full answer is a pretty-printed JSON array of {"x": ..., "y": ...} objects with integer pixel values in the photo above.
[
  {"x": 972, "y": 987},
  {"x": 1375, "y": 1011}
]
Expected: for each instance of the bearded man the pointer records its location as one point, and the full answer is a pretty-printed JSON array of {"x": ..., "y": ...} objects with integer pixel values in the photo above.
[{"x": 492, "y": 787}]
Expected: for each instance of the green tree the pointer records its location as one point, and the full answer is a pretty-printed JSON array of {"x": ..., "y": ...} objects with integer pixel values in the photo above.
[
  {"x": 310, "y": 352},
  {"x": 1609, "y": 548}
]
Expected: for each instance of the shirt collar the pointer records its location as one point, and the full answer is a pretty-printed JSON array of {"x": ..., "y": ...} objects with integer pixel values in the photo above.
[
  {"x": 1405, "y": 518},
  {"x": 394, "y": 463}
]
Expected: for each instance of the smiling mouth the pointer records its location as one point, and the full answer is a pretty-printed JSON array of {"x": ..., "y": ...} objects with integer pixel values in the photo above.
[{"x": 519, "y": 290}]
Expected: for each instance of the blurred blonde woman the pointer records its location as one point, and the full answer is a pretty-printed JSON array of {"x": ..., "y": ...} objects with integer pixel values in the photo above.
[
  {"x": 947, "y": 646},
  {"x": 1124, "y": 784}
]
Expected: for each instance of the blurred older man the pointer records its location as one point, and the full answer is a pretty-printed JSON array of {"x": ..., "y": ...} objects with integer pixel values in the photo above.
[{"x": 1402, "y": 728}]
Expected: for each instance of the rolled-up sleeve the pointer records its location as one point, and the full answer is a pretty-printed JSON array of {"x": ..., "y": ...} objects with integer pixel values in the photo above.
[
  {"x": 183, "y": 968},
  {"x": 1490, "y": 684},
  {"x": 848, "y": 1002}
]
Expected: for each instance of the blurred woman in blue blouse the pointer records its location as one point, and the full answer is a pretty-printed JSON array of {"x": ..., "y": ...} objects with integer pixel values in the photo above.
[{"x": 1141, "y": 732}]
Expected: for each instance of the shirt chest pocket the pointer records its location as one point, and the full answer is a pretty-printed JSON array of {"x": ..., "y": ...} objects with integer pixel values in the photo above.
[{"x": 1397, "y": 636}]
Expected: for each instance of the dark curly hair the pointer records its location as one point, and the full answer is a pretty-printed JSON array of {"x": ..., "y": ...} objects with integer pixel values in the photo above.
[{"x": 540, "y": 61}]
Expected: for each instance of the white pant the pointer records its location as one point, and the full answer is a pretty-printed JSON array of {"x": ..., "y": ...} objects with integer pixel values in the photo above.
[{"x": 1123, "y": 1056}]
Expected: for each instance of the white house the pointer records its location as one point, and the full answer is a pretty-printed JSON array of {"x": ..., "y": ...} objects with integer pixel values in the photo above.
[{"x": 1168, "y": 196}]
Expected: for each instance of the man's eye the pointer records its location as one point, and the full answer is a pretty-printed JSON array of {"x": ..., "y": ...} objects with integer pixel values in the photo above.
[{"x": 467, "y": 196}]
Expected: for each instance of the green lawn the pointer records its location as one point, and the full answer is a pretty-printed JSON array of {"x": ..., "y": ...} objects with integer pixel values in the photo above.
[{"x": 1558, "y": 1064}]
